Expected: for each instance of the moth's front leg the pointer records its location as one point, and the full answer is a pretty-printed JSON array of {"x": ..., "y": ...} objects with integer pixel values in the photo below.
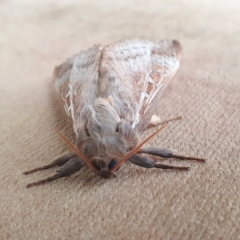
[
  {"x": 70, "y": 163},
  {"x": 58, "y": 162},
  {"x": 155, "y": 121},
  {"x": 167, "y": 153},
  {"x": 150, "y": 163},
  {"x": 70, "y": 167}
]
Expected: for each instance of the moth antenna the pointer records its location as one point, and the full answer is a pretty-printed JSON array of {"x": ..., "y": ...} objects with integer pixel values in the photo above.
[
  {"x": 81, "y": 155},
  {"x": 124, "y": 159}
]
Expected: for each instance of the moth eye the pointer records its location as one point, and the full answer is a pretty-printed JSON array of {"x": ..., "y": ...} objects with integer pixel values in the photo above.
[
  {"x": 96, "y": 166},
  {"x": 112, "y": 164}
]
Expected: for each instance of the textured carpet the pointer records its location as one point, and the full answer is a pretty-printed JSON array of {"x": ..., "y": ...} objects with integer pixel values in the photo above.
[{"x": 140, "y": 203}]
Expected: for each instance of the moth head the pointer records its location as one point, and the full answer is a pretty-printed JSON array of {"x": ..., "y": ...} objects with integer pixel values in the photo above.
[
  {"x": 104, "y": 153},
  {"x": 105, "y": 168}
]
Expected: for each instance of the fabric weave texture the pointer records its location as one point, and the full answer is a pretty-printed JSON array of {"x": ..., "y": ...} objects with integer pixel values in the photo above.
[{"x": 202, "y": 203}]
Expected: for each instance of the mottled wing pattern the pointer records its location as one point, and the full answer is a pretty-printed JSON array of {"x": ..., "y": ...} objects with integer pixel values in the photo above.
[
  {"x": 135, "y": 73},
  {"x": 76, "y": 82}
]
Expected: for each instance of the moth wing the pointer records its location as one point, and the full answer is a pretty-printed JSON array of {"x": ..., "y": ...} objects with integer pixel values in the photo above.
[
  {"x": 76, "y": 82},
  {"x": 135, "y": 74}
]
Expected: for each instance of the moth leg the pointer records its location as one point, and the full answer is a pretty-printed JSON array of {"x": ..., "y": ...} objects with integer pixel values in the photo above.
[
  {"x": 167, "y": 153},
  {"x": 150, "y": 163},
  {"x": 58, "y": 162},
  {"x": 70, "y": 167},
  {"x": 155, "y": 121}
]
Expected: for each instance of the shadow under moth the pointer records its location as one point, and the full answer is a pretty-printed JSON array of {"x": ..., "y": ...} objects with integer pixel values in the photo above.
[{"x": 110, "y": 95}]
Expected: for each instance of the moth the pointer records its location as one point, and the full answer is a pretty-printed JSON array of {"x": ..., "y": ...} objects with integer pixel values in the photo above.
[{"x": 110, "y": 95}]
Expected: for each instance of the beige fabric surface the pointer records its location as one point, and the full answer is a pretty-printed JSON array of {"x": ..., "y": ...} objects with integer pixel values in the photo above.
[{"x": 140, "y": 203}]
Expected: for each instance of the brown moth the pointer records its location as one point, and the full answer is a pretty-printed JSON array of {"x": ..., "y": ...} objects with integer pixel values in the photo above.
[{"x": 110, "y": 94}]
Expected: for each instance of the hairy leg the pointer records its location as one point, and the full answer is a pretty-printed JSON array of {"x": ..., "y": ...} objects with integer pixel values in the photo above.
[
  {"x": 167, "y": 153},
  {"x": 70, "y": 167},
  {"x": 155, "y": 121},
  {"x": 58, "y": 162},
  {"x": 150, "y": 163}
]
